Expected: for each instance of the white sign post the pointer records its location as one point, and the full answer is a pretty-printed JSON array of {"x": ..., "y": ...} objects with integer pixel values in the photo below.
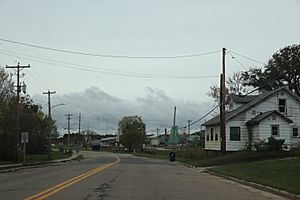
[{"x": 24, "y": 140}]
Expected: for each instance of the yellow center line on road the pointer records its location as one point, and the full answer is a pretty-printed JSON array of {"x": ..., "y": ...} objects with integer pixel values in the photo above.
[{"x": 46, "y": 193}]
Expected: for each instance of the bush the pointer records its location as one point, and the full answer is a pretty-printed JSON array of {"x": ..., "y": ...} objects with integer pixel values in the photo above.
[{"x": 272, "y": 145}]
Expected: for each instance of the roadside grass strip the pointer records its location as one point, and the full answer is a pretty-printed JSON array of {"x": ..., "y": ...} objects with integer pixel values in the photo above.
[
  {"x": 48, "y": 192},
  {"x": 279, "y": 174}
]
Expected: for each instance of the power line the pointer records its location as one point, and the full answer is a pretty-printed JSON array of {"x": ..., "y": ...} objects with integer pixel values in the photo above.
[
  {"x": 129, "y": 74},
  {"x": 196, "y": 121},
  {"x": 234, "y": 58},
  {"x": 248, "y": 58},
  {"x": 13, "y": 58},
  {"x": 107, "y": 55}
]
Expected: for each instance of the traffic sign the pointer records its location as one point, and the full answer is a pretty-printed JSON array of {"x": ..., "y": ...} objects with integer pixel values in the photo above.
[{"x": 24, "y": 137}]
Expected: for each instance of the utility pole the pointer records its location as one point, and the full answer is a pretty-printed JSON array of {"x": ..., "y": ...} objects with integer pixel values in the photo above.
[
  {"x": 79, "y": 123},
  {"x": 18, "y": 138},
  {"x": 106, "y": 127},
  {"x": 189, "y": 126},
  {"x": 174, "y": 119},
  {"x": 68, "y": 118},
  {"x": 50, "y": 121},
  {"x": 222, "y": 105},
  {"x": 174, "y": 124}
]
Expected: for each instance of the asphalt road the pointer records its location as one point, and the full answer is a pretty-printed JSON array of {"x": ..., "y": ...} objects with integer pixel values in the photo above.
[{"x": 103, "y": 176}]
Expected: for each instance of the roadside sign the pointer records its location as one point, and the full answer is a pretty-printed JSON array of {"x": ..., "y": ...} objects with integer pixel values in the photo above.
[{"x": 24, "y": 138}]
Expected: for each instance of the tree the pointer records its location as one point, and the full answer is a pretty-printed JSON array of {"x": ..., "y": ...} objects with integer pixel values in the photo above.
[
  {"x": 283, "y": 69},
  {"x": 6, "y": 86},
  {"x": 32, "y": 120},
  {"x": 234, "y": 85},
  {"x": 132, "y": 131}
]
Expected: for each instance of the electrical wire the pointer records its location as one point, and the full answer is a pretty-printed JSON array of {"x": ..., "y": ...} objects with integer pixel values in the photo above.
[
  {"x": 196, "y": 121},
  {"x": 248, "y": 58},
  {"x": 93, "y": 69},
  {"x": 107, "y": 55},
  {"x": 234, "y": 58}
]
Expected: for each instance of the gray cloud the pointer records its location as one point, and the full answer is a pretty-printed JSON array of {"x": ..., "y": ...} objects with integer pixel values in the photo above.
[{"x": 101, "y": 111}]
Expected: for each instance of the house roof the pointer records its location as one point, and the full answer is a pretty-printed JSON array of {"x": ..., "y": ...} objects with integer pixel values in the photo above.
[
  {"x": 242, "y": 98},
  {"x": 231, "y": 114},
  {"x": 258, "y": 118}
]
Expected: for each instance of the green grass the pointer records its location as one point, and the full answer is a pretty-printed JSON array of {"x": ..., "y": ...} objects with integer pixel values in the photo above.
[
  {"x": 4, "y": 162},
  {"x": 198, "y": 158},
  {"x": 156, "y": 154},
  {"x": 281, "y": 174},
  {"x": 44, "y": 157}
]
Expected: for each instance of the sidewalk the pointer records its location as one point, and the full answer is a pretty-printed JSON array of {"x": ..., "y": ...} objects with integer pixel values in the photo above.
[{"x": 13, "y": 167}]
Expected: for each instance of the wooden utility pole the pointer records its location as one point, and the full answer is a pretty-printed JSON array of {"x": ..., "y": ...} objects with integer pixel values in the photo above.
[
  {"x": 222, "y": 105},
  {"x": 18, "y": 137},
  {"x": 68, "y": 118},
  {"x": 79, "y": 123},
  {"x": 189, "y": 126},
  {"x": 174, "y": 119},
  {"x": 50, "y": 121},
  {"x": 174, "y": 124}
]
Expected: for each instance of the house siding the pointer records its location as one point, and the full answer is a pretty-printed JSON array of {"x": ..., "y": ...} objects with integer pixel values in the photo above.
[
  {"x": 295, "y": 142},
  {"x": 292, "y": 112},
  {"x": 255, "y": 132},
  {"x": 263, "y": 130},
  {"x": 237, "y": 145},
  {"x": 284, "y": 129},
  {"x": 212, "y": 145}
]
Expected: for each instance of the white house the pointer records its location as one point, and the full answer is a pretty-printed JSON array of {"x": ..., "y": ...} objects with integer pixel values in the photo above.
[{"x": 250, "y": 119}]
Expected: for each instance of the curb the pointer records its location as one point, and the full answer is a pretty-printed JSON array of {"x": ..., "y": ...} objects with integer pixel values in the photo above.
[
  {"x": 255, "y": 185},
  {"x": 19, "y": 166}
]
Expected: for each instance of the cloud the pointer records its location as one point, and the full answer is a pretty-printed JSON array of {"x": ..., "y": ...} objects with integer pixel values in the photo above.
[{"x": 102, "y": 111}]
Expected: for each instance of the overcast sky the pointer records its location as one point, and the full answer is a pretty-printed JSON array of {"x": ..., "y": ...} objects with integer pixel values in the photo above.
[{"x": 97, "y": 87}]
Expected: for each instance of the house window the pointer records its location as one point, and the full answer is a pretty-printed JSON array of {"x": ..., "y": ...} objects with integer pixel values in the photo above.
[
  {"x": 216, "y": 137},
  {"x": 274, "y": 117},
  {"x": 275, "y": 130},
  {"x": 282, "y": 105},
  {"x": 295, "y": 132},
  {"x": 235, "y": 133},
  {"x": 253, "y": 112},
  {"x": 212, "y": 134},
  {"x": 207, "y": 137}
]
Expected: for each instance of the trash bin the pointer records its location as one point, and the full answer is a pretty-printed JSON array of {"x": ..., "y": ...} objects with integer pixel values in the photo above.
[{"x": 172, "y": 156}]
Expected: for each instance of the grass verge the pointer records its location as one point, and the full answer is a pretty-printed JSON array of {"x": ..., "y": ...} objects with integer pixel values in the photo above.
[
  {"x": 198, "y": 158},
  {"x": 280, "y": 174},
  {"x": 39, "y": 158},
  {"x": 55, "y": 155}
]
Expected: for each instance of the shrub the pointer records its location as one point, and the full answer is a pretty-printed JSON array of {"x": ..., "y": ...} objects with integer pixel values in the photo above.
[{"x": 272, "y": 145}]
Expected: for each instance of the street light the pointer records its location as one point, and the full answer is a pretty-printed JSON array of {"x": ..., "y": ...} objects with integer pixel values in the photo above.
[
  {"x": 60, "y": 104},
  {"x": 49, "y": 136}
]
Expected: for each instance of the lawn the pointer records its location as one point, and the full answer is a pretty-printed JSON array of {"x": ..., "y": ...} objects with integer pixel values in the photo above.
[
  {"x": 198, "y": 158},
  {"x": 44, "y": 157},
  {"x": 281, "y": 174},
  {"x": 4, "y": 162}
]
